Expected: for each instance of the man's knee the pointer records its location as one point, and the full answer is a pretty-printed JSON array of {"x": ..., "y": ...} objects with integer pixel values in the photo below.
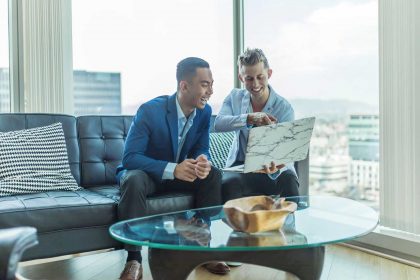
[
  {"x": 289, "y": 184},
  {"x": 214, "y": 179},
  {"x": 215, "y": 174},
  {"x": 135, "y": 181},
  {"x": 231, "y": 186}
]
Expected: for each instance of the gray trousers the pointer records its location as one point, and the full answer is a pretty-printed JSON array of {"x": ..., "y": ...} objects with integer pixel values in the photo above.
[
  {"x": 236, "y": 185},
  {"x": 136, "y": 186}
]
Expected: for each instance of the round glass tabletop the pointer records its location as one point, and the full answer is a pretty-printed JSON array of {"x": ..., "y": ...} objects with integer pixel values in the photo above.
[{"x": 318, "y": 220}]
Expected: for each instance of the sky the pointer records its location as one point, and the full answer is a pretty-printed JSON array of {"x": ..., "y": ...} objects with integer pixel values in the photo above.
[
  {"x": 325, "y": 49},
  {"x": 318, "y": 49},
  {"x": 145, "y": 40}
]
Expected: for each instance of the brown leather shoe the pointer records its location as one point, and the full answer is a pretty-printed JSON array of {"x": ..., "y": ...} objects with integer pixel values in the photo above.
[
  {"x": 220, "y": 268},
  {"x": 133, "y": 270}
]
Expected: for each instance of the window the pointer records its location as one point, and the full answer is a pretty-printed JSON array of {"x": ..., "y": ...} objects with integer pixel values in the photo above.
[
  {"x": 324, "y": 56},
  {"x": 4, "y": 58},
  {"x": 125, "y": 52}
]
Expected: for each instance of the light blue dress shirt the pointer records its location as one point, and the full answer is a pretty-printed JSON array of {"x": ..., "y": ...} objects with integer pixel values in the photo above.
[
  {"x": 233, "y": 116},
  {"x": 184, "y": 124}
]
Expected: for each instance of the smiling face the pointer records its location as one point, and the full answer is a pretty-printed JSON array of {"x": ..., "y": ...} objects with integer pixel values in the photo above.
[
  {"x": 255, "y": 78},
  {"x": 196, "y": 91}
]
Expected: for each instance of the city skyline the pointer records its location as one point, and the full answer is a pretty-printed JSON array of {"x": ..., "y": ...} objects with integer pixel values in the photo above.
[
  {"x": 303, "y": 107},
  {"x": 96, "y": 93},
  {"x": 4, "y": 90},
  {"x": 93, "y": 92}
]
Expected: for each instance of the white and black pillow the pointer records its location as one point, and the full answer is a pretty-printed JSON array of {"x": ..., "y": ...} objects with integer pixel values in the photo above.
[
  {"x": 35, "y": 160},
  {"x": 220, "y": 143}
]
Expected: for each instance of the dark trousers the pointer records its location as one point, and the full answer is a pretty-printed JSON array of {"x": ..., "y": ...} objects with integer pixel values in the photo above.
[
  {"x": 236, "y": 185},
  {"x": 136, "y": 186}
]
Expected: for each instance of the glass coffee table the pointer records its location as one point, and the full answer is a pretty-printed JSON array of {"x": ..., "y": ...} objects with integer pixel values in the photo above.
[{"x": 180, "y": 241}]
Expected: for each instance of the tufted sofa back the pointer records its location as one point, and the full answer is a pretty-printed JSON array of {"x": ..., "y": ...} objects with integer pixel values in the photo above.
[
  {"x": 101, "y": 141},
  {"x": 95, "y": 144}
]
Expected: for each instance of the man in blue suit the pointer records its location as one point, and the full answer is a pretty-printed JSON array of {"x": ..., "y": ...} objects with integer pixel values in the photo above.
[{"x": 167, "y": 149}]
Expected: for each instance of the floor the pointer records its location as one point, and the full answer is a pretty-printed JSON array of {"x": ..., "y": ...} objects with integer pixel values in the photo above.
[{"x": 340, "y": 263}]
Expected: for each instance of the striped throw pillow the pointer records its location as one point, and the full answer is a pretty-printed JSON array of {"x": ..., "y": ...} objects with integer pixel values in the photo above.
[{"x": 220, "y": 143}]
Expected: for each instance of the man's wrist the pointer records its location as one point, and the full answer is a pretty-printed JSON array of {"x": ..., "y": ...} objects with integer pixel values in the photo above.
[
  {"x": 169, "y": 172},
  {"x": 248, "y": 121}
]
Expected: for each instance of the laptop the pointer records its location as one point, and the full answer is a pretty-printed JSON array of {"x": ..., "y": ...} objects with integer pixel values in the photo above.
[{"x": 281, "y": 142}]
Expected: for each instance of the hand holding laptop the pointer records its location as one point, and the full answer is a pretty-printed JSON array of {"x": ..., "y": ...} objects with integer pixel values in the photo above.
[{"x": 270, "y": 169}]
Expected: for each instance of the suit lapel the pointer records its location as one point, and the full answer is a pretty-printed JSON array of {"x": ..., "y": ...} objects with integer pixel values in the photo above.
[{"x": 172, "y": 119}]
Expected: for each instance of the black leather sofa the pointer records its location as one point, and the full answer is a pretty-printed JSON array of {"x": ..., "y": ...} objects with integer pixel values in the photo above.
[{"x": 73, "y": 222}]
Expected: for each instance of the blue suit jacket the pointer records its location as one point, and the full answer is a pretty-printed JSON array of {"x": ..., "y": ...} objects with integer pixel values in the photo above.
[{"x": 152, "y": 140}]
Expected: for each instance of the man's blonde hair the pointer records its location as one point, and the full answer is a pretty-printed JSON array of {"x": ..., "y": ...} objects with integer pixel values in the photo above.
[{"x": 252, "y": 57}]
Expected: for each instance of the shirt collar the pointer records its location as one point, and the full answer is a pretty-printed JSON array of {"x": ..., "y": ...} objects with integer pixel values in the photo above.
[
  {"x": 180, "y": 113},
  {"x": 270, "y": 101},
  {"x": 271, "y": 98}
]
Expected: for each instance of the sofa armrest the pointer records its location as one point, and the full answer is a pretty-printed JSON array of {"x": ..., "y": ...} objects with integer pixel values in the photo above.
[{"x": 13, "y": 242}]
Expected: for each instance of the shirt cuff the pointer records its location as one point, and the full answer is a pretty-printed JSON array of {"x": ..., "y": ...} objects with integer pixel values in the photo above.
[
  {"x": 244, "y": 118},
  {"x": 241, "y": 122},
  {"x": 168, "y": 173}
]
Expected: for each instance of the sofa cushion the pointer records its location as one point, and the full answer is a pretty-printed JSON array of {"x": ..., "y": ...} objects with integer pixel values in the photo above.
[
  {"x": 156, "y": 203},
  {"x": 18, "y": 121},
  {"x": 101, "y": 140},
  {"x": 34, "y": 160},
  {"x": 57, "y": 211},
  {"x": 109, "y": 191}
]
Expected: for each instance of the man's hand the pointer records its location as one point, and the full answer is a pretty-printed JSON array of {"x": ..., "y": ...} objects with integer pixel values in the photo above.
[
  {"x": 260, "y": 118},
  {"x": 270, "y": 169},
  {"x": 185, "y": 170},
  {"x": 203, "y": 167}
]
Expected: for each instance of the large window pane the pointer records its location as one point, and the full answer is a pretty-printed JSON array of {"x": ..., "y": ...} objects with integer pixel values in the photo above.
[
  {"x": 324, "y": 56},
  {"x": 125, "y": 52},
  {"x": 4, "y": 59}
]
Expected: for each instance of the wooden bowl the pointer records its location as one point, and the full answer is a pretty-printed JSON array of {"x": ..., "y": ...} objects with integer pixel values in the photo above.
[{"x": 257, "y": 213}]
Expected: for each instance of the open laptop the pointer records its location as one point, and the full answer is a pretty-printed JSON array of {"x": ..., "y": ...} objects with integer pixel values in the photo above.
[{"x": 281, "y": 142}]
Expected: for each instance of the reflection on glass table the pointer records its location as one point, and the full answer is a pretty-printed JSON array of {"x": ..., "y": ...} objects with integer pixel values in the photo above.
[
  {"x": 186, "y": 239},
  {"x": 287, "y": 235}
]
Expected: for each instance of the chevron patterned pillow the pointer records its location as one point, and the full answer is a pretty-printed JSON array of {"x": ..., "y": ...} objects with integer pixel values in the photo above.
[
  {"x": 35, "y": 160},
  {"x": 220, "y": 143}
]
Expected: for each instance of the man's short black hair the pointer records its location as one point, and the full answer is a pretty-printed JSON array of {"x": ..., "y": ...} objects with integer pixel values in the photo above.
[{"x": 187, "y": 67}]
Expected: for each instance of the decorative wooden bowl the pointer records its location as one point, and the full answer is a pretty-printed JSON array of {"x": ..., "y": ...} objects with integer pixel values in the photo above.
[{"x": 257, "y": 213}]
